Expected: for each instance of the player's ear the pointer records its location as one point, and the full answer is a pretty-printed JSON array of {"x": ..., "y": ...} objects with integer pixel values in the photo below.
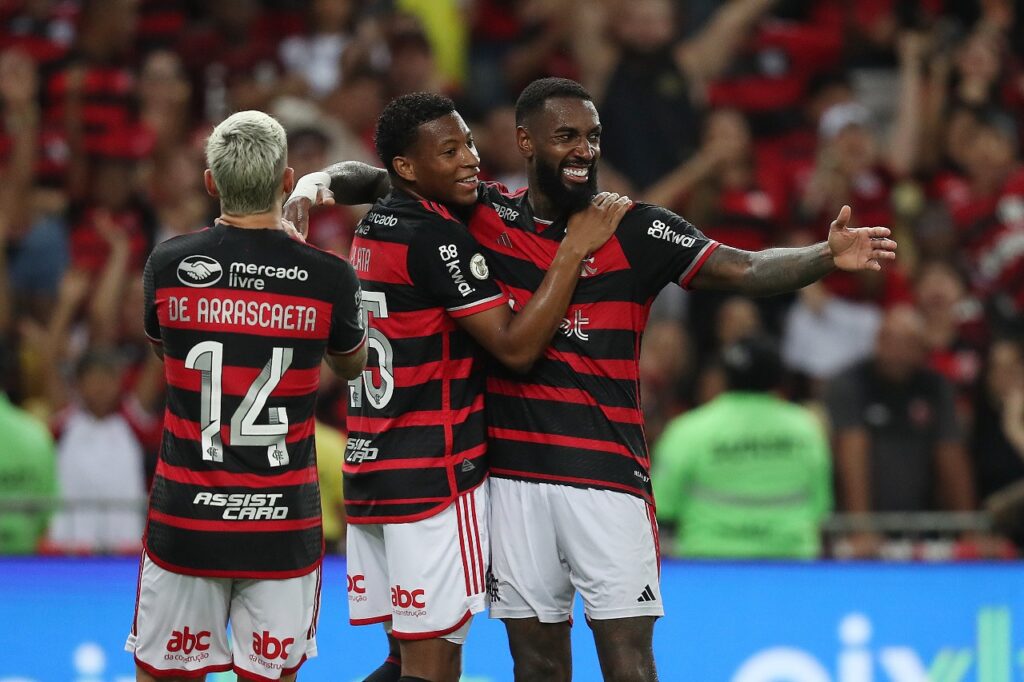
[
  {"x": 403, "y": 165},
  {"x": 524, "y": 143},
  {"x": 288, "y": 180},
  {"x": 211, "y": 186}
]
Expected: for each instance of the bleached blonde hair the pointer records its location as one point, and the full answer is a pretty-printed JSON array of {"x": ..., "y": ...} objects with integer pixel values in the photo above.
[{"x": 247, "y": 153}]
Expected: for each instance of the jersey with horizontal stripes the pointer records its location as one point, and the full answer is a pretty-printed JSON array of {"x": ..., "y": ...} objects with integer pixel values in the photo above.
[
  {"x": 575, "y": 418},
  {"x": 417, "y": 435},
  {"x": 244, "y": 317}
]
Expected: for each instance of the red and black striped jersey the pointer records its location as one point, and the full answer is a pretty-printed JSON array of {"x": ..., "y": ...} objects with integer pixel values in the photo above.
[
  {"x": 244, "y": 318},
  {"x": 575, "y": 418},
  {"x": 417, "y": 434}
]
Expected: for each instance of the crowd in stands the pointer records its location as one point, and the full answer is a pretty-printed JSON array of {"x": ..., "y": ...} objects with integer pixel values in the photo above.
[{"x": 754, "y": 119}]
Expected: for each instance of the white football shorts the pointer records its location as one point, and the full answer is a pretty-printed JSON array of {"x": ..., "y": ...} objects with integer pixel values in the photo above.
[
  {"x": 550, "y": 541},
  {"x": 426, "y": 577},
  {"x": 179, "y": 627}
]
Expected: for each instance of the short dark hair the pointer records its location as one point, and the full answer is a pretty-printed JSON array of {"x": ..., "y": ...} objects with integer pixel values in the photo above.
[
  {"x": 398, "y": 125},
  {"x": 534, "y": 95},
  {"x": 753, "y": 363}
]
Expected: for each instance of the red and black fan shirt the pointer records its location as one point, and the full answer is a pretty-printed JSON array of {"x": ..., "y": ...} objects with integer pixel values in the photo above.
[
  {"x": 416, "y": 417},
  {"x": 244, "y": 318},
  {"x": 575, "y": 419}
]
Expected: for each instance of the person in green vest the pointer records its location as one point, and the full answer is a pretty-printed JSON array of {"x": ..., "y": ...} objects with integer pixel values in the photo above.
[
  {"x": 748, "y": 475},
  {"x": 28, "y": 478}
]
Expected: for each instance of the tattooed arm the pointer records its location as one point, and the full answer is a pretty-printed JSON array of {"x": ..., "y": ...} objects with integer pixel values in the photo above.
[
  {"x": 352, "y": 182},
  {"x": 774, "y": 271}
]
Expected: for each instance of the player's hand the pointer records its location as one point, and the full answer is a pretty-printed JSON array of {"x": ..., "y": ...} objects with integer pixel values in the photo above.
[
  {"x": 18, "y": 78},
  {"x": 291, "y": 231},
  {"x": 590, "y": 228},
  {"x": 859, "y": 248},
  {"x": 311, "y": 190}
]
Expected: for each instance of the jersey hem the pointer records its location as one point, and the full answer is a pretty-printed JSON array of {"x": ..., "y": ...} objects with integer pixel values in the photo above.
[
  {"x": 370, "y": 621},
  {"x": 478, "y": 306},
  {"x": 553, "y": 479},
  {"x": 433, "y": 511},
  {"x": 249, "y": 575},
  {"x": 413, "y": 636}
]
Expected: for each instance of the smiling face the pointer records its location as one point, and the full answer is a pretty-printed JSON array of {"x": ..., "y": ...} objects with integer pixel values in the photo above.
[
  {"x": 442, "y": 164},
  {"x": 562, "y": 145}
]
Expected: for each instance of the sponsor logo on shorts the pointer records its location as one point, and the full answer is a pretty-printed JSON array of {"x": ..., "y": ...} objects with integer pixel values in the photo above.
[
  {"x": 183, "y": 645},
  {"x": 402, "y": 600},
  {"x": 199, "y": 271},
  {"x": 647, "y": 595},
  {"x": 269, "y": 647},
  {"x": 356, "y": 589}
]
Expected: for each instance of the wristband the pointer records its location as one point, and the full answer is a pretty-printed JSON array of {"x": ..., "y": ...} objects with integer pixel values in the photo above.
[{"x": 308, "y": 185}]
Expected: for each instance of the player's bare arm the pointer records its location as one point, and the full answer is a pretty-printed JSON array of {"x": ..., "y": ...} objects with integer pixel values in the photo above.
[
  {"x": 517, "y": 341},
  {"x": 775, "y": 271},
  {"x": 347, "y": 182},
  {"x": 347, "y": 366}
]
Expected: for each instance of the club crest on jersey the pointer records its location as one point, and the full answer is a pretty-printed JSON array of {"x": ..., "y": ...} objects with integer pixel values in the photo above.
[
  {"x": 478, "y": 266},
  {"x": 199, "y": 271},
  {"x": 587, "y": 267}
]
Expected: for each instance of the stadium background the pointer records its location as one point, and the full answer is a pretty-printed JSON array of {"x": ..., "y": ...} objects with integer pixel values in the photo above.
[{"x": 755, "y": 119}]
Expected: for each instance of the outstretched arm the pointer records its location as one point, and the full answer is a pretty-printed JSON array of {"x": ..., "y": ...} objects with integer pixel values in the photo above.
[{"x": 775, "y": 271}]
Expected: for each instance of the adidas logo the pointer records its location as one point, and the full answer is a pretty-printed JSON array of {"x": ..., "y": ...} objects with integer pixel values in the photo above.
[
  {"x": 647, "y": 595},
  {"x": 467, "y": 465},
  {"x": 505, "y": 240}
]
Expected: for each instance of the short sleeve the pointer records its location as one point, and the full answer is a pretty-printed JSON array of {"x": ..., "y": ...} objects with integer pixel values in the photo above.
[
  {"x": 151, "y": 322},
  {"x": 452, "y": 268},
  {"x": 663, "y": 246},
  {"x": 348, "y": 333}
]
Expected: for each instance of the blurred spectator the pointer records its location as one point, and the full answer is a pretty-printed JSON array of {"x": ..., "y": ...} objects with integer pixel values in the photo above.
[
  {"x": 446, "y": 27},
  {"x": 28, "y": 481},
  {"x": 997, "y": 440},
  {"x": 643, "y": 78},
  {"x": 495, "y": 141},
  {"x": 748, "y": 474},
  {"x": 955, "y": 331},
  {"x": 330, "y": 458},
  {"x": 825, "y": 334},
  {"x": 515, "y": 42},
  {"x": 412, "y": 67},
  {"x": 987, "y": 209},
  {"x": 100, "y": 463},
  {"x": 897, "y": 442},
  {"x": 316, "y": 55},
  {"x": 666, "y": 366}
]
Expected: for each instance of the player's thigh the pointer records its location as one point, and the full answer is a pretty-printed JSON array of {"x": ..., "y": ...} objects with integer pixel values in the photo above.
[
  {"x": 369, "y": 586},
  {"x": 529, "y": 578},
  {"x": 438, "y": 569},
  {"x": 609, "y": 539},
  {"x": 179, "y": 627},
  {"x": 435, "y": 659},
  {"x": 273, "y": 625}
]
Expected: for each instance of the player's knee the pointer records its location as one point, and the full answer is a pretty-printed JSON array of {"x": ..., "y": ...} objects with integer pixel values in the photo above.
[{"x": 539, "y": 666}]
